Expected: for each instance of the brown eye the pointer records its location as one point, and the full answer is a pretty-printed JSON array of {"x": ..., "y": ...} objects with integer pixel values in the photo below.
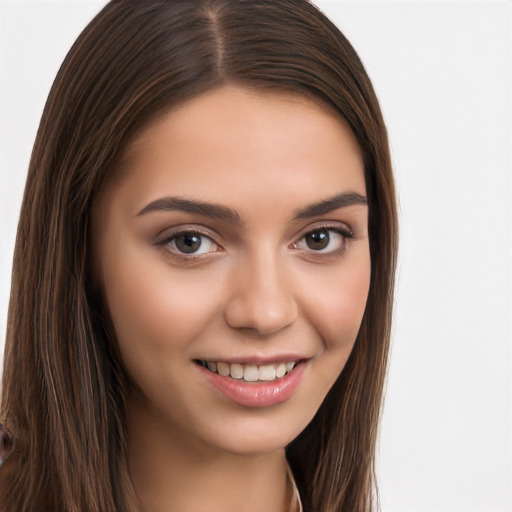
[
  {"x": 318, "y": 240},
  {"x": 188, "y": 243},
  {"x": 324, "y": 240}
]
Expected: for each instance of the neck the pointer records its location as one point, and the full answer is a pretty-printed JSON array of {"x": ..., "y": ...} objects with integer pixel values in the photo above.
[{"x": 173, "y": 473}]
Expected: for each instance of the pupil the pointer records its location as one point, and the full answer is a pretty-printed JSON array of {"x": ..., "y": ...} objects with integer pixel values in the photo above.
[
  {"x": 188, "y": 243},
  {"x": 318, "y": 240}
]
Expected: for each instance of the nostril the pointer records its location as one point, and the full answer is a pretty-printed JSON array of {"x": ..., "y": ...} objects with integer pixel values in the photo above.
[
  {"x": 263, "y": 314},
  {"x": 6, "y": 443},
  {"x": 261, "y": 298}
]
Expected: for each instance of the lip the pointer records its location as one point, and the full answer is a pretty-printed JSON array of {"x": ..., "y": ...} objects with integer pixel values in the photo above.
[
  {"x": 257, "y": 394},
  {"x": 260, "y": 360}
]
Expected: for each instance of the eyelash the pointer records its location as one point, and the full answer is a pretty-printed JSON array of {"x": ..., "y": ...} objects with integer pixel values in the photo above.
[
  {"x": 344, "y": 233},
  {"x": 167, "y": 241}
]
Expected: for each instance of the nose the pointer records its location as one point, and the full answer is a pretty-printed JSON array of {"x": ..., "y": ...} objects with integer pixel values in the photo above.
[{"x": 262, "y": 298}]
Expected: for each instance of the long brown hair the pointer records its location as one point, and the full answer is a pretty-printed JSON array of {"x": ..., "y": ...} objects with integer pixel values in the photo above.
[{"x": 64, "y": 390}]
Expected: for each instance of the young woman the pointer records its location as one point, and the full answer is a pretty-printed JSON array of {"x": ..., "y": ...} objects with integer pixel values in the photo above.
[{"x": 203, "y": 275}]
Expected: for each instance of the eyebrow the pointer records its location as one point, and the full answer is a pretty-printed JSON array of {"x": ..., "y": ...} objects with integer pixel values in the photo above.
[
  {"x": 203, "y": 208},
  {"x": 331, "y": 204},
  {"x": 223, "y": 213}
]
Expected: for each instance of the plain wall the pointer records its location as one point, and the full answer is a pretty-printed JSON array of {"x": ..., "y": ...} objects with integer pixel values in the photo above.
[{"x": 442, "y": 70}]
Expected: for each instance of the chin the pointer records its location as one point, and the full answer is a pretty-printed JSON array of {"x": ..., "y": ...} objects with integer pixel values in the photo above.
[
  {"x": 257, "y": 443},
  {"x": 260, "y": 433}
]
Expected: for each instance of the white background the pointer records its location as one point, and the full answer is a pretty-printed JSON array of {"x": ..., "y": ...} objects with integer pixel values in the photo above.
[{"x": 442, "y": 70}]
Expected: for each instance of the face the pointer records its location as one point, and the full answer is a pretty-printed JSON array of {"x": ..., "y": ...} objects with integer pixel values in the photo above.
[{"x": 234, "y": 260}]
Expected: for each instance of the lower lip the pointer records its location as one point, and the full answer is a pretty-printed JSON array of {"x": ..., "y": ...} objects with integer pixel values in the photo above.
[{"x": 257, "y": 394}]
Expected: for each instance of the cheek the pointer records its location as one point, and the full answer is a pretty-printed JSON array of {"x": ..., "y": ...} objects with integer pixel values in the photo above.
[
  {"x": 338, "y": 306},
  {"x": 336, "y": 311},
  {"x": 154, "y": 311}
]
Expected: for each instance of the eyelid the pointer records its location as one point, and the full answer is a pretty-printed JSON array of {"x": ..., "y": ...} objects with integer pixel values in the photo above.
[
  {"x": 342, "y": 229},
  {"x": 167, "y": 235},
  {"x": 164, "y": 237}
]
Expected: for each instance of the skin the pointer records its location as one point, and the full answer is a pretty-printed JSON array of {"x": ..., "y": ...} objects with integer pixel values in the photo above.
[{"x": 255, "y": 289}]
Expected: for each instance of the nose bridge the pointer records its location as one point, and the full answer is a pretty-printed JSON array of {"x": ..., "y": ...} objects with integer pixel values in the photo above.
[{"x": 262, "y": 297}]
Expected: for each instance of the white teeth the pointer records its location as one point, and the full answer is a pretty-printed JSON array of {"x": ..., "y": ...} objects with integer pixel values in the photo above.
[
  {"x": 223, "y": 369},
  {"x": 267, "y": 372},
  {"x": 251, "y": 372},
  {"x": 237, "y": 371},
  {"x": 281, "y": 370}
]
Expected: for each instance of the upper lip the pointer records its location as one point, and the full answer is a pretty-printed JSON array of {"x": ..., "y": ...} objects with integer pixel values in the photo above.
[{"x": 257, "y": 360}]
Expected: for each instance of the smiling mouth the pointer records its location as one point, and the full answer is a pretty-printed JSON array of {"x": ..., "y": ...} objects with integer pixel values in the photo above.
[{"x": 249, "y": 372}]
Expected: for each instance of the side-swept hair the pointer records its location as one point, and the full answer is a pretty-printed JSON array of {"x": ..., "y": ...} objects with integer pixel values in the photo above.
[{"x": 64, "y": 389}]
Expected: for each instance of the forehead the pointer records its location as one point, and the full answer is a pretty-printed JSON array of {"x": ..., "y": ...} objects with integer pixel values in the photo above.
[{"x": 244, "y": 141}]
